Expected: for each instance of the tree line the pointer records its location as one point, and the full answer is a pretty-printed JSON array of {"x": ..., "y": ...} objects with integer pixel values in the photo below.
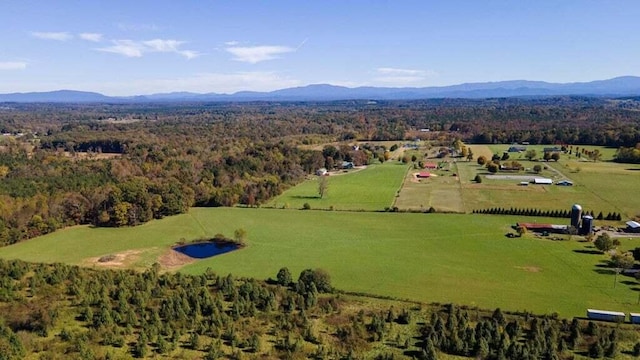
[{"x": 545, "y": 213}]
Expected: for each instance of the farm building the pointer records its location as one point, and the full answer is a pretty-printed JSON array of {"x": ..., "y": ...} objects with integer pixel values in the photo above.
[
  {"x": 321, "y": 172},
  {"x": 423, "y": 175},
  {"x": 544, "y": 227},
  {"x": 634, "y": 318},
  {"x": 633, "y": 226},
  {"x": 605, "y": 315},
  {"x": 542, "y": 181},
  {"x": 564, "y": 183},
  {"x": 517, "y": 149},
  {"x": 430, "y": 166},
  {"x": 586, "y": 227},
  {"x": 347, "y": 165},
  {"x": 524, "y": 183}
]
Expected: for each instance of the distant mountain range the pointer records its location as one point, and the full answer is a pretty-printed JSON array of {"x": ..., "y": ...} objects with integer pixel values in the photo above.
[{"x": 616, "y": 87}]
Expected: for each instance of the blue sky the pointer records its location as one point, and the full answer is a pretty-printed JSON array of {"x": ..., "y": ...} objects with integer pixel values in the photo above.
[{"x": 141, "y": 47}]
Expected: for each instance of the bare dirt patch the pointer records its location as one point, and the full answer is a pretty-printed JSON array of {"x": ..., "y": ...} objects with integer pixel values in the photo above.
[
  {"x": 532, "y": 269},
  {"x": 171, "y": 260},
  {"x": 120, "y": 260}
]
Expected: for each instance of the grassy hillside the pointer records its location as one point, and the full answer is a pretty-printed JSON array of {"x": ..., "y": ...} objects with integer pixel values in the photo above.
[{"x": 464, "y": 259}]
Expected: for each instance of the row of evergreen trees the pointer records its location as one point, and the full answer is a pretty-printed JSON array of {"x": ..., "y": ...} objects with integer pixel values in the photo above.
[
  {"x": 545, "y": 213},
  {"x": 500, "y": 338}
]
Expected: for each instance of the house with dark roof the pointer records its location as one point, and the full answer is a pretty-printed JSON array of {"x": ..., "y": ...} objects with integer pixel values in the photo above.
[{"x": 564, "y": 183}]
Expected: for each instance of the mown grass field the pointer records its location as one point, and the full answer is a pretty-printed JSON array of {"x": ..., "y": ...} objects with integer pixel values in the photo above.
[
  {"x": 465, "y": 259},
  {"x": 373, "y": 188}
]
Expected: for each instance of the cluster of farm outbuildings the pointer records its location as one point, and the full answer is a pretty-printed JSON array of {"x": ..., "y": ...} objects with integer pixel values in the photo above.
[
  {"x": 546, "y": 181},
  {"x": 583, "y": 223}
]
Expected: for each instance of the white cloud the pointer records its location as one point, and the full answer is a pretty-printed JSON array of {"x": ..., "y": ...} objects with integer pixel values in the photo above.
[
  {"x": 231, "y": 43},
  {"x": 402, "y": 77},
  {"x": 13, "y": 65},
  {"x": 94, "y": 37},
  {"x": 138, "y": 27},
  {"x": 163, "y": 45},
  {"x": 128, "y": 48},
  {"x": 59, "y": 36},
  {"x": 189, "y": 54},
  {"x": 132, "y": 48},
  {"x": 256, "y": 54},
  {"x": 223, "y": 83},
  {"x": 396, "y": 71}
]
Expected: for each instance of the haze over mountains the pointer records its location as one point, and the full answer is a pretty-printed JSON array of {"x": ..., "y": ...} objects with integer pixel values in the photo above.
[{"x": 620, "y": 86}]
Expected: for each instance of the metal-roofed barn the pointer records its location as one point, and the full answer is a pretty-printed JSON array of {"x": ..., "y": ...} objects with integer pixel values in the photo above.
[
  {"x": 633, "y": 226},
  {"x": 606, "y": 315}
]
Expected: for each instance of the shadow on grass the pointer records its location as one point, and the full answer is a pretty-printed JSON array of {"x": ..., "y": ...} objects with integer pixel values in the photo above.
[
  {"x": 306, "y": 197},
  {"x": 604, "y": 271},
  {"x": 586, "y": 251}
]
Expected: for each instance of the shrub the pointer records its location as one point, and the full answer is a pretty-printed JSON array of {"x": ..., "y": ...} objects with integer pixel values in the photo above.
[{"x": 318, "y": 277}]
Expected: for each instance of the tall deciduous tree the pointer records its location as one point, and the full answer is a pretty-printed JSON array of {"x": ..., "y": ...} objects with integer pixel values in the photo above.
[
  {"x": 604, "y": 242},
  {"x": 531, "y": 154},
  {"x": 622, "y": 260}
]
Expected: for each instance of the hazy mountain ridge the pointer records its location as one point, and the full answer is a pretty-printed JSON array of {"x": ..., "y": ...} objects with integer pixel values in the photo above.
[{"x": 620, "y": 86}]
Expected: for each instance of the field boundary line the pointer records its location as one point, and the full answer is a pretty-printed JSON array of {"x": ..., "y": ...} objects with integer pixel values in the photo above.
[
  {"x": 397, "y": 194},
  {"x": 464, "y": 205}
]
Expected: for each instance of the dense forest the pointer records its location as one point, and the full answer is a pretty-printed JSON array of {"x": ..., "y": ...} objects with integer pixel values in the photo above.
[
  {"x": 124, "y": 164},
  {"x": 57, "y": 311}
]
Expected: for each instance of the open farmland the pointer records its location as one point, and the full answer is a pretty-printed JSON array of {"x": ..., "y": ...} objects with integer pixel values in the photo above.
[
  {"x": 440, "y": 191},
  {"x": 415, "y": 256},
  {"x": 372, "y": 188},
  {"x": 602, "y": 186},
  {"x": 599, "y": 186}
]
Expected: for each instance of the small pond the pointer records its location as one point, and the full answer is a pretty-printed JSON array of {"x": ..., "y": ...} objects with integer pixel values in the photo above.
[{"x": 206, "y": 249}]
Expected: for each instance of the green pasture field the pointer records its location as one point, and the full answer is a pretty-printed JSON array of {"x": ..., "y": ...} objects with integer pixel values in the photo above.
[
  {"x": 373, "y": 189},
  {"x": 599, "y": 186},
  {"x": 464, "y": 259},
  {"x": 602, "y": 186},
  {"x": 611, "y": 183}
]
